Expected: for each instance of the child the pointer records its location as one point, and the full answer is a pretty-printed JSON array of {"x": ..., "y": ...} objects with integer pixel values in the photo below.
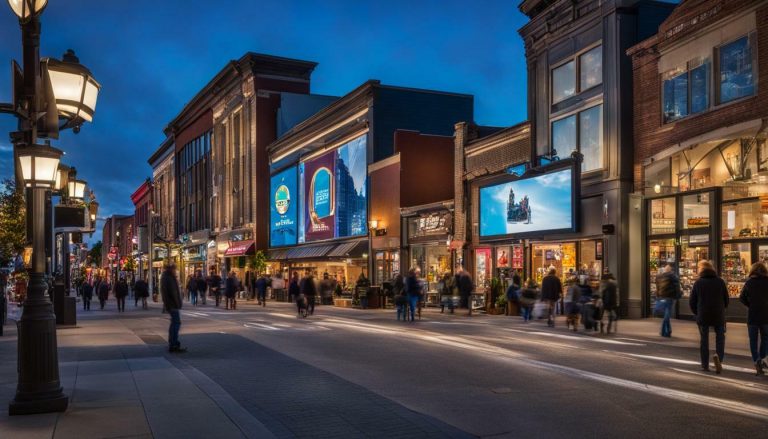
[{"x": 401, "y": 302}]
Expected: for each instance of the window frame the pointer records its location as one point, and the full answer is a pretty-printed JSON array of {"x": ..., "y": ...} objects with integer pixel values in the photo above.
[
  {"x": 576, "y": 59},
  {"x": 577, "y": 113},
  {"x": 751, "y": 37}
]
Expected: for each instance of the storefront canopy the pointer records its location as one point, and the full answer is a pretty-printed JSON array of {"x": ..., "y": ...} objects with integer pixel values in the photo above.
[
  {"x": 277, "y": 254},
  {"x": 352, "y": 249},
  {"x": 240, "y": 248},
  {"x": 309, "y": 251}
]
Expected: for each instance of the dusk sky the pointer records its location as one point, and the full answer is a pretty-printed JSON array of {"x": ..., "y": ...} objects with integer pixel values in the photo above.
[{"x": 151, "y": 57}]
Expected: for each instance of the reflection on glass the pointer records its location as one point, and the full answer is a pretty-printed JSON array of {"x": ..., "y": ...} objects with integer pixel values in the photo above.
[
  {"x": 676, "y": 97},
  {"x": 737, "y": 258},
  {"x": 736, "y": 75},
  {"x": 591, "y": 138},
  {"x": 700, "y": 88},
  {"x": 696, "y": 211},
  {"x": 660, "y": 253},
  {"x": 745, "y": 219},
  {"x": 563, "y": 82},
  {"x": 564, "y": 135},
  {"x": 693, "y": 249},
  {"x": 591, "y": 68},
  {"x": 662, "y": 216}
]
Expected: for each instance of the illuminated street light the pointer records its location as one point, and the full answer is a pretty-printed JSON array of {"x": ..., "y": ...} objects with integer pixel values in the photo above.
[
  {"x": 26, "y": 9},
  {"x": 73, "y": 87}
]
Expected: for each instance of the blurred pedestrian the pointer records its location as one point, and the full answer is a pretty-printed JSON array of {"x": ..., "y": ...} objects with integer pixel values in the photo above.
[
  {"x": 102, "y": 291},
  {"x": 232, "y": 286},
  {"x": 464, "y": 284},
  {"x": 528, "y": 297},
  {"x": 551, "y": 292},
  {"x": 571, "y": 302},
  {"x": 413, "y": 291},
  {"x": 277, "y": 283},
  {"x": 401, "y": 304},
  {"x": 513, "y": 295},
  {"x": 709, "y": 300},
  {"x": 121, "y": 291},
  {"x": 327, "y": 287},
  {"x": 261, "y": 289},
  {"x": 141, "y": 292},
  {"x": 86, "y": 291},
  {"x": 201, "y": 286},
  {"x": 754, "y": 295},
  {"x": 293, "y": 287},
  {"x": 308, "y": 289},
  {"x": 214, "y": 285},
  {"x": 667, "y": 292},
  {"x": 169, "y": 289},
  {"x": 192, "y": 289},
  {"x": 609, "y": 292}
]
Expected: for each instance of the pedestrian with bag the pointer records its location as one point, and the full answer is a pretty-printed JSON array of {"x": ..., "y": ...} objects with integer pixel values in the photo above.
[
  {"x": 667, "y": 292},
  {"x": 308, "y": 289},
  {"x": 551, "y": 292},
  {"x": 528, "y": 297},
  {"x": 170, "y": 291},
  {"x": 754, "y": 295},
  {"x": 609, "y": 291},
  {"x": 572, "y": 303},
  {"x": 709, "y": 300}
]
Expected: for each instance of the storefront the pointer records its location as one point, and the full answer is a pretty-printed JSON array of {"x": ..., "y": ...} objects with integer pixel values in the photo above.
[
  {"x": 715, "y": 209},
  {"x": 429, "y": 249}
]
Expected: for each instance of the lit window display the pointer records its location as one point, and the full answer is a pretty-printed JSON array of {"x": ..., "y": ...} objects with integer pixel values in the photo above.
[
  {"x": 737, "y": 260},
  {"x": 660, "y": 253},
  {"x": 693, "y": 249},
  {"x": 696, "y": 211},
  {"x": 747, "y": 219},
  {"x": 662, "y": 216},
  {"x": 561, "y": 257}
]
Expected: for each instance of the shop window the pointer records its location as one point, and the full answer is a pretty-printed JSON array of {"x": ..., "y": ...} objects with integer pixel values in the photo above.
[
  {"x": 696, "y": 211},
  {"x": 737, "y": 259},
  {"x": 662, "y": 218},
  {"x": 591, "y": 260},
  {"x": 563, "y": 82},
  {"x": 745, "y": 219},
  {"x": 660, "y": 253},
  {"x": 700, "y": 88},
  {"x": 561, "y": 257},
  {"x": 736, "y": 72},
  {"x": 693, "y": 248},
  {"x": 591, "y": 68},
  {"x": 589, "y": 141}
]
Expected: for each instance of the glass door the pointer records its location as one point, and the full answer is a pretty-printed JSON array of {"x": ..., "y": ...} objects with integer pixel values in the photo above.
[
  {"x": 660, "y": 253},
  {"x": 736, "y": 262},
  {"x": 693, "y": 248}
]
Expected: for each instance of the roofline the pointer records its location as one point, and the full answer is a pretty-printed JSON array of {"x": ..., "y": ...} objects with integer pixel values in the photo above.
[
  {"x": 161, "y": 150},
  {"x": 501, "y": 133},
  {"x": 141, "y": 191}
]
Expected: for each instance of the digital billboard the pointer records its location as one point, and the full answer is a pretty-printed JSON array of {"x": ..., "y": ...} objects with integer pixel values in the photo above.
[
  {"x": 528, "y": 205},
  {"x": 283, "y": 208},
  {"x": 319, "y": 197},
  {"x": 351, "y": 193}
]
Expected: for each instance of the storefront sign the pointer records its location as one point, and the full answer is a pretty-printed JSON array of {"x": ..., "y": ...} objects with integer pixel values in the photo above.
[
  {"x": 319, "y": 197},
  {"x": 434, "y": 224},
  {"x": 284, "y": 208},
  {"x": 529, "y": 205}
]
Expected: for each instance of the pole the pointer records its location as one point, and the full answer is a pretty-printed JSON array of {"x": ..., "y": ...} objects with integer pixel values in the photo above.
[{"x": 151, "y": 258}]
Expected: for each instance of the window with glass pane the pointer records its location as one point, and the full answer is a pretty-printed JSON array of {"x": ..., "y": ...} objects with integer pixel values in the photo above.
[
  {"x": 591, "y": 68},
  {"x": 696, "y": 211},
  {"x": 700, "y": 88},
  {"x": 563, "y": 82},
  {"x": 591, "y": 138},
  {"x": 662, "y": 216},
  {"x": 736, "y": 73},
  {"x": 564, "y": 136},
  {"x": 676, "y": 97},
  {"x": 744, "y": 220}
]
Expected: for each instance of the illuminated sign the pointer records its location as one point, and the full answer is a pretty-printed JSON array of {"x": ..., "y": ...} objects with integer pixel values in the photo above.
[{"x": 283, "y": 208}]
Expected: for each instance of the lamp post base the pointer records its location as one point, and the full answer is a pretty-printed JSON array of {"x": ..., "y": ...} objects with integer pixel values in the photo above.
[{"x": 39, "y": 389}]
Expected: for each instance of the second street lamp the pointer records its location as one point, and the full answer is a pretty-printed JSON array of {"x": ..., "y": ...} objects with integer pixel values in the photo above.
[
  {"x": 26, "y": 9},
  {"x": 74, "y": 88}
]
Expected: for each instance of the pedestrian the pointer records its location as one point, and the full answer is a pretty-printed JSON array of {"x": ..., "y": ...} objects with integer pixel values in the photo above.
[
  {"x": 121, "y": 291},
  {"x": 528, "y": 297},
  {"x": 571, "y": 302},
  {"x": 293, "y": 287},
  {"x": 609, "y": 292},
  {"x": 232, "y": 286},
  {"x": 214, "y": 285},
  {"x": 413, "y": 291},
  {"x": 277, "y": 283},
  {"x": 248, "y": 280},
  {"x": 465, "y": 286},
  {"x": 709, "y": 300},
  {"x": 551, "y": 292},
  {"x": 201, "y": 287},
  {"x": 102, "y": 291},
  {"x": 754, "y": 295},
  {"x": 589, "y": 304},
  {"x": 308, "y": 289},
  {"x": 261, "y": 289},
  {"x": 401, "y": 303},
  {"x": 169, "y": 289},
  {"x": 86, "y": 291},
  {"x": 327, "y": 287},
  {"x": 192, "y": 289},
  {"x": 513, "y": 295},
  {"x": 667, "y": 291},
  {"x": 141, "y": 292}
]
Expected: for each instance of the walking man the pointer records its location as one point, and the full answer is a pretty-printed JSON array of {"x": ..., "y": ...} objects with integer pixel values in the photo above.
[
  {"x": 169, "y": 288},
  {"x": 667, "y": 291},
  {"x": 309, "y": 290},
  {"x": 709, "y": 299},
  {"x": 87, "y": 292},
  {"x": 214, "y": 284},
  {"x": 261, "y": 289},
  {"x": 121, "y": 291},
  {"x": 551, "y": 291},
  {"x": 141, "y": 292},
  {"x": 231, "y": 289},
  {"x": 202, "y": 286},
  {"x": 413, "y": 290},
  {"x": 754, "y": 295}
]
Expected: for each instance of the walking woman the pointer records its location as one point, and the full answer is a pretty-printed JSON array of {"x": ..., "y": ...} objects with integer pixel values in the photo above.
[
  {"x": 709, "y": 299},
  {"x": 754, "y": 296}
]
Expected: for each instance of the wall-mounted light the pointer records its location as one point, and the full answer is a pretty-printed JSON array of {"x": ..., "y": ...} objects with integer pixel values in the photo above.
[{"x": 374, "y": 224}]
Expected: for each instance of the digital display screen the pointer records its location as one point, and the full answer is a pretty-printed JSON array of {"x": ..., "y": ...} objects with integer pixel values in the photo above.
[{"x": 283, "y": 208}]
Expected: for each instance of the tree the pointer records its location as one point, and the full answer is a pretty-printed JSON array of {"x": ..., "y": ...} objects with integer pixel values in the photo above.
[
  {"x": 95, "y": 253},
  {"x": 258, "y": 261},
  {"x": 13, "y": 227}
]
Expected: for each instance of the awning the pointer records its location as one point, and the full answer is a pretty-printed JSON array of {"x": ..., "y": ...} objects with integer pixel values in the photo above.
[
  {"x": 352, "y": 249},
  {"x": 240, "y": 248},
  {"x": 309, "y": 251},
  {"x": 277, "y": 254}
]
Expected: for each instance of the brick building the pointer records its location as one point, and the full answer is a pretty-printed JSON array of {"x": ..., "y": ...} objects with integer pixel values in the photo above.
[
  {"x": 142, "y": 202},
  {"x": 701, "y": 157},
  {"x": 117, "y": 233}
]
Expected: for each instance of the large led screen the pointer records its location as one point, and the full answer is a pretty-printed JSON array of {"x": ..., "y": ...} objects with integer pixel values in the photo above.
[
  {"x": 319, "y": 193},
  {"x": 283, "y": 208},
  {"x": 351, "y": 195},
  {"x": 535, "y": 204}
]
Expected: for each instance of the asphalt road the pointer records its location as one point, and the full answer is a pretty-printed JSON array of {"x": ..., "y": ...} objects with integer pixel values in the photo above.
[{"x": 451, "y": 375}]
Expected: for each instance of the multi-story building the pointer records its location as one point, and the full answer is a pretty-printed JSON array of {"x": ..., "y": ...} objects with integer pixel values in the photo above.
[
  {"x": 701, "y": 155},
  {"x": 117, "y": 235},
  {"x": 319, "y": 197},
  {"x": 142, "y": 202},
  {"x": 163, "y": 191}
]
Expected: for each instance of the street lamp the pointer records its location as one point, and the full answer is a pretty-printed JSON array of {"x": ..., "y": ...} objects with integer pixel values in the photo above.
[
  {"x": 74, "y": 88},
  {"x": 39, "y": 389},
  {"x": 26, "y": 9},
  {"x": 76, "y": 189}
]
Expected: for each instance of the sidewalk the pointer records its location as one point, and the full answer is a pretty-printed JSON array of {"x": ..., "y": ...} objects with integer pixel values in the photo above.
[{"x": 119, "y": 386}]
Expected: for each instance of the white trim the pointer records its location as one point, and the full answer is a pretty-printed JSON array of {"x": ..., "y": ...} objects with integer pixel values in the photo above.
[{"x": 334, "y": 145}]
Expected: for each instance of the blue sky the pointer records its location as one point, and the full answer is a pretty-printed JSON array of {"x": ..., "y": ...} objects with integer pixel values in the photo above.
[
  {"x": 549, "y": 196},
  {"x": 151, "y": 57}
]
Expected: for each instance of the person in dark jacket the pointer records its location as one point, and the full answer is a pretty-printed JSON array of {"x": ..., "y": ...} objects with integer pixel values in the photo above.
[
  {"x": 513, "y": 295},
  {"x": 102, "y": 291},
  {"x": 308, "y": 289},
  {"x": 709, "y": 299},
  {"x": 528, "y": 297},
  {"x": 609, "y": 291},
  {"x": 121, "y": 291},
  {"x": 169, "y": 289},
  {"x": 214, "y": 285},
  {"x": 413, "y": 291},
  {"x": 465, "y": 286},
  {"x": 261, "y": 289},
  {"x": 551, "y": 291},
  {"x": 86, "y": 290},
  {"x": 293, "y": 287},
  {"x": 754, "y": 295},
  {"x": 202, "y": 286},
  {"x": 667, "y": 292},
  {"x": 141, "y": 292},
  {"x": 232, "y": 286}
]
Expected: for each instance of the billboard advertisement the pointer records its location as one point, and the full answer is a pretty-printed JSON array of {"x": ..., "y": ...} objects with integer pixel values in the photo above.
[
  {"x": 351, "y": 191},
  {"x": 529, "y": 205},
  {"x": 319, "y": 197},
  {"x": 283, "y": 208}
]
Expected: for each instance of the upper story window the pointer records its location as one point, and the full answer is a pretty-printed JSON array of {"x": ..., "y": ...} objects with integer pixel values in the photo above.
[
  {"x": 686, "y": 92},
  {"x": 579, "y": 74},
  {"x": 583, "y": 132},
  {"x": 737, "y": 76}
]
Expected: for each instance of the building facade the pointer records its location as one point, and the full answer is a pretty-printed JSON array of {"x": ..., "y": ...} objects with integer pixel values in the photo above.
[
  {"x": 117, "y": 235},
  {"x": 701, "y": 119},
  {"x": 142, "y": 202}
]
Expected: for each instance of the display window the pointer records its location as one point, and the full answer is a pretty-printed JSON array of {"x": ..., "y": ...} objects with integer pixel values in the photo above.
[
  {"x": 662, "y": 216},
  {"x": 387, "y": 265},
  {"x": 591, "y": 260},
  {"x": 482, "y": 269},
  {"x": 693, "y": 248},
  {"x": 560, "y": 256},
  {"x": 745, "y": 219},
  {"x": 736, "y": 262},
  {"x": 660, "y": 253},
  {"x": 517, "y": 257},
  {"x": 696, "y": 210}
]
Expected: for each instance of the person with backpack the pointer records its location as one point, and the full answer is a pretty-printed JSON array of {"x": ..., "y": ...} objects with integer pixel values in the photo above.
[
  {"x": 754, "y": 295},
  {"x": 513, "y": 294},
  {"x": 667, "y": 292},
  {"x": 709, "y": 300},
  {"x": 609, "y": 292},
  {"x": 528, "y": 297}
]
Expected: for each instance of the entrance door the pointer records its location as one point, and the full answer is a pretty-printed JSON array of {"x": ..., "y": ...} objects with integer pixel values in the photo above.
[{"x": 660, "y": 253}]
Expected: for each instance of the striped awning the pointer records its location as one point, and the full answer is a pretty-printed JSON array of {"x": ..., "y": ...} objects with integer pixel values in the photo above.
[
  {"x": 309, "y": 251},
  {"x": 277, "y": 254},
  {"x": 351, "y": 249}
]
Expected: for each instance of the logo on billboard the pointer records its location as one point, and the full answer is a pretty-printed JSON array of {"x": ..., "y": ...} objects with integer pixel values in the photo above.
[
  {"x": 322, "y": 199},
  {"x": 282, "y": 199}
]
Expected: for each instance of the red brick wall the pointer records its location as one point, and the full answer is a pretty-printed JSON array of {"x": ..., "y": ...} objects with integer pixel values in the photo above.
[
  {"x": 385, "y": 201},
  {"x": 426, "y": 164},
  {"x": 651, "y": 134}
]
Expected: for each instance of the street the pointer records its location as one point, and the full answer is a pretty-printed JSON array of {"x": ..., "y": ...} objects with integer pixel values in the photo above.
[{"x": 355, "y": 373}]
